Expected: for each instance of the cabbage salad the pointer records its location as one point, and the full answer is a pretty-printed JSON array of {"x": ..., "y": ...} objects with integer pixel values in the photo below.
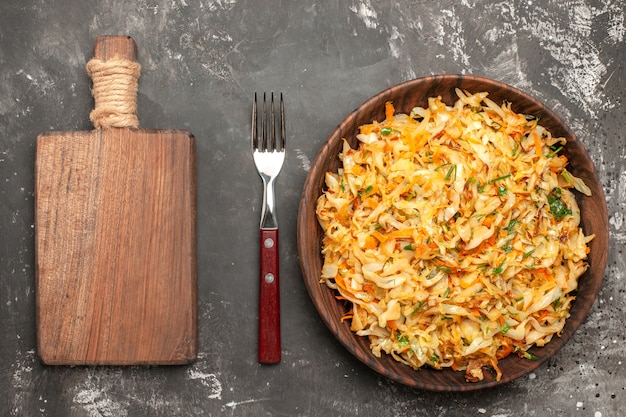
[{"x": 454, "y": 234}]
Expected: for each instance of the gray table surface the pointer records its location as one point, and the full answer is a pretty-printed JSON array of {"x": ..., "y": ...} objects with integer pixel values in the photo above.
[{"x": 202, "y": 61}]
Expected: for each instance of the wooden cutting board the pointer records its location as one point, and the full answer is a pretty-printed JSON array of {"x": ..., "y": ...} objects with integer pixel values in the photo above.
[{"x": 115, "y": 235}]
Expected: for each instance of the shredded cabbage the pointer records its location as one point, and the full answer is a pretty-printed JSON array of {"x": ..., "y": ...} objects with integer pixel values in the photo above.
[{"x": 438, "y": 230}]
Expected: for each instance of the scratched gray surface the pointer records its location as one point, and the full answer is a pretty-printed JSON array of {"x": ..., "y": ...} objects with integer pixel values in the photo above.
[{"x": 202, "y": 60}]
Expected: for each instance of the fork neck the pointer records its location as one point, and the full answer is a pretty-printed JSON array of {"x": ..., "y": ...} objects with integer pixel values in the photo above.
[{"x": 268, "y": 213}]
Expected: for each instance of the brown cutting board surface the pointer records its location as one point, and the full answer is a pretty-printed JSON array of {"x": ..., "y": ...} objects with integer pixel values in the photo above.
[{"x": 115, "y": 236}]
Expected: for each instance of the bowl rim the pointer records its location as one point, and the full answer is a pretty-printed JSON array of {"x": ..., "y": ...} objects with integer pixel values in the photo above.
[{"x": 306, "y": 205}]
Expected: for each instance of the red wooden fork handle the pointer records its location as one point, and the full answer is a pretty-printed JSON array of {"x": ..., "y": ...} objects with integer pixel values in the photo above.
[{"x": 269, "y": 299}]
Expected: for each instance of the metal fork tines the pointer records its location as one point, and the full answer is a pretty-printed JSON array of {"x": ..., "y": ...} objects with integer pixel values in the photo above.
[{"x": 268, "y": 152}]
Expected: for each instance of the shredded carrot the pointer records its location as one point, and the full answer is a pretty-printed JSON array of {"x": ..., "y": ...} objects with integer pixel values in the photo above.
[
  {"x": 389, "y": 111},
  {"x": 402, "y": 233},
  {"x": 368, "y": 289},
  {"x": 346, "y": 317},
  {"x": 543, "y": 315},
  {"x": 371, "y": 242},
  {"x": 381, "y": 238},
  {"x": 537, "y": 142}
]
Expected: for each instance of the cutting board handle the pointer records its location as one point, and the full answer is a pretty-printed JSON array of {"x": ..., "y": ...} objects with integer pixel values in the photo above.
[{"x": 114, "y": 73}]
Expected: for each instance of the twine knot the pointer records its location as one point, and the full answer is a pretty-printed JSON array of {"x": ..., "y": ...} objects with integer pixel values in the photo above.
[{"x": 114, "y": 90}]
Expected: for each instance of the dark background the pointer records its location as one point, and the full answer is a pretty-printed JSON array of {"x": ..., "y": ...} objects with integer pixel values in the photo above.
[{"x": 202, "y": 60}]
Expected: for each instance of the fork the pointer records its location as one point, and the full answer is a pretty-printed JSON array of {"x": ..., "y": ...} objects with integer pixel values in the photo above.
[{"x": 268, "y": 153}]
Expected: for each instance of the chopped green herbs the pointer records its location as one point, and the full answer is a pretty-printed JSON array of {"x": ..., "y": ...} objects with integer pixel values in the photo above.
[
  {"x": 554, "y": 152},
  {"x": 507, "y": 247},
  {"x": 418, "y": 307},
  {"x": 450, "y": 171},
  {"x": 403, "y": 341},
  {"x": 443, "y": 165},
  {"x": 557, "y": 206},
  {"x": 530, "y": 356},
  {"x": 499, "y": 178},
  {"x": 499, "y": 269},
  {"x": 567, "y": 177},
  {"x": 511, "y": 226}
]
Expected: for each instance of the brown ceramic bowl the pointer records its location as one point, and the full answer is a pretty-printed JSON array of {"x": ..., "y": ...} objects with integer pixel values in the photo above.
[{"x": 405, "y": 96}]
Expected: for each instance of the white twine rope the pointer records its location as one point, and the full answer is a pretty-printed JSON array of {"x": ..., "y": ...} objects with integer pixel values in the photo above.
[{"x": 114, "y": 90}]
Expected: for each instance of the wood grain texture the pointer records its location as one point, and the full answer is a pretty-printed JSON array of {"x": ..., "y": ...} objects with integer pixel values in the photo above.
[
  {"x": 269, "y": 298},
  {"x": 115, "y": 243},
  {"x": 114, "y": 46},
  {"x": 594, "y": 219}
]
